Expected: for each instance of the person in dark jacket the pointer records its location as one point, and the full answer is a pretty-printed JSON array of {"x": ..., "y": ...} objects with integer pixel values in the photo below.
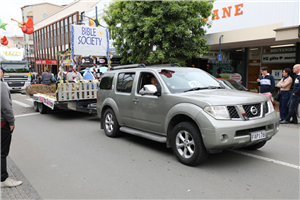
[
  {"x": 266, "y": 83},
  {"x": 294, "y": 99},
  {"x": 7, "y": 127}
]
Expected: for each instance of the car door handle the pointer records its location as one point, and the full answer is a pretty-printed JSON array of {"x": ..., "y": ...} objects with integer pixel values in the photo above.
[{"x": 135, "y": 101}]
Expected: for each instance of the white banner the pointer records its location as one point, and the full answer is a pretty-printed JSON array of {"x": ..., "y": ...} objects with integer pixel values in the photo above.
[
  {"x": 93, "y": 41},
  {"x": 47, "y": 101},
  {"x": 279, "y": 58}
]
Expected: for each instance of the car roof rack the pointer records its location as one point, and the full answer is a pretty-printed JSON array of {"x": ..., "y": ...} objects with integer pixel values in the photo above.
[
  {"x": 129, "y": 66},
  {"x": 162, "y": 65}
]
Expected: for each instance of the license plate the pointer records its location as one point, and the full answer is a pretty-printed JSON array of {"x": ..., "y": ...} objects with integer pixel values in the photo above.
[{"x": 258, "y": 135}]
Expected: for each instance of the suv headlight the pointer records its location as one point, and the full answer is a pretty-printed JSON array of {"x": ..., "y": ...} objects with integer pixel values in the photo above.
[
  {"x": 217, "y": 112},
  {"x": 270, "y": 106}
]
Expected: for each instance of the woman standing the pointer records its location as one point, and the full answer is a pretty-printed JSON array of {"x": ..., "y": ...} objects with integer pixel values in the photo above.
[{"x": 284, "y": 85}]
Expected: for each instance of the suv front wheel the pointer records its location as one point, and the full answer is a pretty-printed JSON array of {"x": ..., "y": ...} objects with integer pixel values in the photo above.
[
  {"x": 111, "y": 126},
  {"x": 187, "y": 144}
]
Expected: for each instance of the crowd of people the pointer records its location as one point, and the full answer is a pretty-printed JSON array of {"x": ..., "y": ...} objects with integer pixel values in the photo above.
[
  {"x": 48, "y": 78},
  {"x": 288, "y": 100}
]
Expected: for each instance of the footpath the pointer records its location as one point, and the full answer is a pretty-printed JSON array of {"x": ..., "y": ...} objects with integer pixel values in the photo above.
[{"x": 24, "y": 191}]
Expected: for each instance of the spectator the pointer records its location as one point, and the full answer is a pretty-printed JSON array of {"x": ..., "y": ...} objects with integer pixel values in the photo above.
[
  {"x": 266, "y": 83},
  {"x": 294, "y": 99},
  {"x": 32, "y": 77},
  {"x": 7, "y": 128},
  {"x": 47, "y": 77},
  {"x": 284, "y": 84}
]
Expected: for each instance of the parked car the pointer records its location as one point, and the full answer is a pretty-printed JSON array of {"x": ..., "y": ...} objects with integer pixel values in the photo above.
[
  {"x": 189, "y": 110},
  {"x": 232, "y": 84}
]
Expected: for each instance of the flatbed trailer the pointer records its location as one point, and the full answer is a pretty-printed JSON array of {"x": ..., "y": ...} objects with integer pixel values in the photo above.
[{"x": 74, "y": 95}]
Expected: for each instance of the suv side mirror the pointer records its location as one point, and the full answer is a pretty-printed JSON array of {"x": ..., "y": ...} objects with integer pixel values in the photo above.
[{"x": 148, "y": 89}]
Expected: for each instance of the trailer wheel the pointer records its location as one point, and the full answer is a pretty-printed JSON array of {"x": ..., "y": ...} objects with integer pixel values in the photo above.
[
  {"x": 42, "y": 108},
  {"x": 35, "y": 106}
]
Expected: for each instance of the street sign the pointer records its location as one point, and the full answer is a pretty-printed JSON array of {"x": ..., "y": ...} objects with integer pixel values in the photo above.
[{"x": 219, "y": 57}]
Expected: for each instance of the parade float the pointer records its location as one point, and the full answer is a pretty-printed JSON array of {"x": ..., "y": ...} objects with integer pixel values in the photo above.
[{"x": 72, "y": 90}]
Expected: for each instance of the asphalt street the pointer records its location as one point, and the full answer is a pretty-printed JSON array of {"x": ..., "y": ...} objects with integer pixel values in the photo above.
[{"x": 65, "y": 155}]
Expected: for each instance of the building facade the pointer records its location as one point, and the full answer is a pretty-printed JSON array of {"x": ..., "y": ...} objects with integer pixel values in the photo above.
[
  {"x": 36, "y": 12},
  {"x": 250, "y": 35},
  {"x": 52, "y": 34}
]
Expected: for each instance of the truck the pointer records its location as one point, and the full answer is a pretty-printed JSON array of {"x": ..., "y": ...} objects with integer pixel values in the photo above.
[{"x": 17, "y": 76}]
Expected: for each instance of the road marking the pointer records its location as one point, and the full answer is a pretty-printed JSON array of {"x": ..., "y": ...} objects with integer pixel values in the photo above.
[
  {"x": 29, "y": 99},
  {"x": 267, "y": 159},
  {"x": 27, "y": 114},
  {"x": 21, "y": 104}
]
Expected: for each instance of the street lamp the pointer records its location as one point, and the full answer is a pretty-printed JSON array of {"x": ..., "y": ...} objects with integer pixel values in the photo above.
[{"x": 96, "y": 20}]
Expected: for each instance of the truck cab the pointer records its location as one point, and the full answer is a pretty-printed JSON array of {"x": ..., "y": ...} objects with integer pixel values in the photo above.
[{"x": 17, "y": 76}]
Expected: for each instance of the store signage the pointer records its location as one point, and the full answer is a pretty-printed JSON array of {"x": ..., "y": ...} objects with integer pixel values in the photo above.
[
  {"x": 226, "y": 11},
  {"x": 87, "y": 60},
  {"x": 280, "y": 50},
  {"x": 210, "y": 54},
  {"x": 277, "y": 74},
  {"x": 101, "y": 60},
  {"x": 235, "y": 76},
  {"x": 92, "y": 41},
  {"x": 46, "y": 62},
  {"x": 279, "y": 58}
]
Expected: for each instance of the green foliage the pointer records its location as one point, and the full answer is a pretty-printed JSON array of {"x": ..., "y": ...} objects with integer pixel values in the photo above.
[{"x": 175, "y": 28}]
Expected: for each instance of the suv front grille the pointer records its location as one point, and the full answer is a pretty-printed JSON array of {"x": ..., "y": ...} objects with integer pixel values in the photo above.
[
  {"x": 253, "y": 110},
  {"x": 233, "y": 112}
]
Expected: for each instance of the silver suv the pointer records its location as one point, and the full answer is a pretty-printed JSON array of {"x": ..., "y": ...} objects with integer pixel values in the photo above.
[{"x": 188, "y": 109}]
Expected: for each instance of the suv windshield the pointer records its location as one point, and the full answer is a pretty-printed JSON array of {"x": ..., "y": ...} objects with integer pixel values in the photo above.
[
  {"x": 234, "y": 85},
  {"x": 187, "y": 79}
]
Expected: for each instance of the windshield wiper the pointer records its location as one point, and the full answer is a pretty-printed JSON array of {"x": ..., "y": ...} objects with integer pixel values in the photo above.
[
  {"x": 203, "y": 88},
  {"x": 196, "y": 88},
  {"x": 215, "y": 87}
]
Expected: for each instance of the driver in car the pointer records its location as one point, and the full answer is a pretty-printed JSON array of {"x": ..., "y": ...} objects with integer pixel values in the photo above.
[{"x": 155, "y": 82}]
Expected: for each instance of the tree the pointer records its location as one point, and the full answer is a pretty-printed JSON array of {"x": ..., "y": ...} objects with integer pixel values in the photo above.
[{"x": 175, "y": 28}]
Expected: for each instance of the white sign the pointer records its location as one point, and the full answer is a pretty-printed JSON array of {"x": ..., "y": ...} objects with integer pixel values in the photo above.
[
  {"x": 279, "y": 58},
  {"x": 277, "y": 74},
  {"x": 92, "y": 41},
  {"x": 45, "y": 100}
]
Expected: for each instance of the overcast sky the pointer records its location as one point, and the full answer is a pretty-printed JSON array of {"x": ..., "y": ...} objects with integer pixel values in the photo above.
[{"x": 12, "y": 9}]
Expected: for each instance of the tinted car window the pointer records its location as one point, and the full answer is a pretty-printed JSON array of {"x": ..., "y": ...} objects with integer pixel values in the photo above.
[
  {"x": 125, "y": 82},
  {"x": 106, "y": 82},
  {"x": 180, "y": 80}
]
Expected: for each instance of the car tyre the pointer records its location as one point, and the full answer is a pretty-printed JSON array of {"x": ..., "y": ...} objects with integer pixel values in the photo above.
[
  {"x": 110, "y": 123},
  {"x": 187, "y": 144},
  {"x": 35, "y": 106},
  {"x": 42, "y": 108},
  {"x": 255, "y": 146}
]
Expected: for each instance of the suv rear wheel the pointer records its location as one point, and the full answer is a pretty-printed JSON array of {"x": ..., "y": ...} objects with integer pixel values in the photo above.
[
  {"x": 187, "y": 144},
  {"x": 111, "y": 125}
]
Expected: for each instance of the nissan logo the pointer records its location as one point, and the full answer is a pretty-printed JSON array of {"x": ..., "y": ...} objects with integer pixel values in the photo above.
[{"x": 253, "y": 110}]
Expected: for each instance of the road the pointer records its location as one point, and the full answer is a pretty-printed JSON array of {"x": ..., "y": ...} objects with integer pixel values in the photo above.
[{"x": 65, "y": 155}]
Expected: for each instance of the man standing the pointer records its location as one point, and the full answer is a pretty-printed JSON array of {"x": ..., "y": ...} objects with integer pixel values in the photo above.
[
  {"x": 294, "y": 99},
  {"x": 266, "y": 83},
  {"x": 7, "y": 127}
]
